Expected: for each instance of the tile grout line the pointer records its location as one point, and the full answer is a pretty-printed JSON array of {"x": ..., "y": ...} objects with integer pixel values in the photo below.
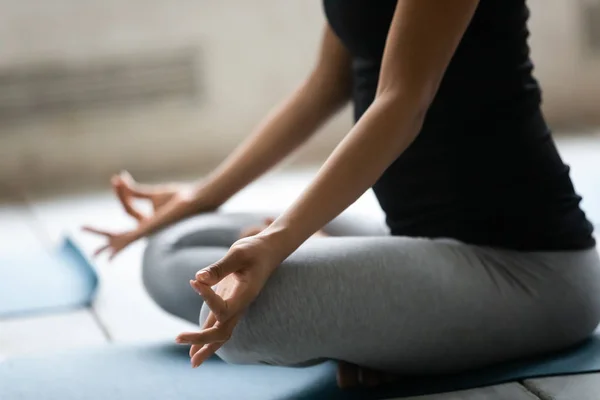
[
  {"x": 41, "y": 232},
  {"x": 535, "y": 391},
  {"x": 100, "y": 324}
]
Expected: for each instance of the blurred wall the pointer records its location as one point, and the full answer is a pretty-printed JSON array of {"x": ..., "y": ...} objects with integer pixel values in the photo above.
[
  {"x": 250, "y": 54},
  {"x": 565, "y": 46}
]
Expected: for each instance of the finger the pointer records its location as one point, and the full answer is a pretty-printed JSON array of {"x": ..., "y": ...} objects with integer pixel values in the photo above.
[
  {"x": 216, "y": 304},
  {"x": 208, "y": 323},
  {"x": 215, "y": 334},
  {"x": 100, "y": 250},
  {"x": 194, "y": 349},
  {"x": 224, "y": 309},
  {"x": 233, "y": 261},
  {"x": 125, "y": 199},
  {"x": 211, "y": 320},
  {"x": 135, "y": 188},
  {"x": 205, "y": 353},
  {"x": 210, "y": 348},
  {"x": 97, "y": 231}
]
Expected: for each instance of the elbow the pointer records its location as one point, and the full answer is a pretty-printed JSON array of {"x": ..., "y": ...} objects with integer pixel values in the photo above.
[
  {"x": 415, "y": 98},
  {"x": 410, "y": 106}
]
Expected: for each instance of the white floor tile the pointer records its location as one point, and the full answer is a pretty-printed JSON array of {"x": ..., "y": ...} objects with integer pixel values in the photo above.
[
  {"x": 42, "y": 334},
  {"x": 510, "y": 391},
  {"x": 575, "y": 387},
  {"x": 18, "y": 231}
]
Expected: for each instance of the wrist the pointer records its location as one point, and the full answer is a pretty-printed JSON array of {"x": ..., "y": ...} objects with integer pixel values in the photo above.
[
  {"x": 201, "y": 198},
  {"x": 136, "y": 234},
  {"x": 281, "y": 239}
]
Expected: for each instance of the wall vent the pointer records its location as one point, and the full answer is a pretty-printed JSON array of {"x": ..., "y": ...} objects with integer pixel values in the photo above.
[{"x": 28, "y": 90}]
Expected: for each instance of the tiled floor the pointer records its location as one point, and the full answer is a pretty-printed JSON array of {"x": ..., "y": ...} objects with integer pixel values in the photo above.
[
  {"x": 123, "y": 313},
  {"x": 31, "y": 335}
]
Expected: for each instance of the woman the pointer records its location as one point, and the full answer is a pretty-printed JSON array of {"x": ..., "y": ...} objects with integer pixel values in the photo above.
[{"x": 489, "y": 259}]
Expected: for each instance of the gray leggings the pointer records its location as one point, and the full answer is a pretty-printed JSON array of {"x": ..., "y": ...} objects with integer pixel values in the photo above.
[{"x": 408, "y": 305}]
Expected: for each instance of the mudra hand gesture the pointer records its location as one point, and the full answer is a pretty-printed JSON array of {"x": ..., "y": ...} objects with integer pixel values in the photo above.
[{"x": 239, "y": 277}]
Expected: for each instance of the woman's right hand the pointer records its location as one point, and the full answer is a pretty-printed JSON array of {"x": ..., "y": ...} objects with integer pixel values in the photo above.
[
  {"x": 170, "y": 203},
  {"x": 128, "y": 190}
]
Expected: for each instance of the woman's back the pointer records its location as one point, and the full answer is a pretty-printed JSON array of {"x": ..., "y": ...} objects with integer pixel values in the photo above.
[{"x": 484, "y": 168}]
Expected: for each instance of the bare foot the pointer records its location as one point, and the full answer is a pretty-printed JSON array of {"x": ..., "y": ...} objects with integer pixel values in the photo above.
[
  {"x": 254, "y": 230},
  {"x": 351, "y": 375}
]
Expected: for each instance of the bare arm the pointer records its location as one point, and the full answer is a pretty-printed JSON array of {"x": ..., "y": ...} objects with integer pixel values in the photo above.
[
  {"x": 321, "y": 95},
  {"x": 422, "y": 39}
]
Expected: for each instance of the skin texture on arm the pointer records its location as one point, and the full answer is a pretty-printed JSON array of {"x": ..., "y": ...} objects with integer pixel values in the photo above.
[
  {"x": 324, "y": 92},
  {"x": 423, "y": 36}
]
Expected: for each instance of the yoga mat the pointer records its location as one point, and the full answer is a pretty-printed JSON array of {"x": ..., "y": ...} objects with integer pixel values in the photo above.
[
  {"x": 43, "y": 281},
  {"x": 162, "y": 371}
]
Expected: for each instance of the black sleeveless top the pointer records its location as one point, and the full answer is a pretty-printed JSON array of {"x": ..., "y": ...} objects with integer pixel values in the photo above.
[{"x": 484, "y": 168}]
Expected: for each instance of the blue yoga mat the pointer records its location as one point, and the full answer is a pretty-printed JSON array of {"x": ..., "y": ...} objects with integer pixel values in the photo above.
[
  {"x": 159, "y": 371},
  {"x": 43, "y": 281}
]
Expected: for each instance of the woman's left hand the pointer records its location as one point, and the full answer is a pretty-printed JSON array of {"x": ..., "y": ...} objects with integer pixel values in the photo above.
[{"x": 240, "y": 274}]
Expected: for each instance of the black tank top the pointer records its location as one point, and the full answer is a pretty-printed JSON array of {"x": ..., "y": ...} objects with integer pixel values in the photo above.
[{"x": 484, "y": 168}]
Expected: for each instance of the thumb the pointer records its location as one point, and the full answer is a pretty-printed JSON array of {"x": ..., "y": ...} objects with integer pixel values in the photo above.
[
  {"x": 124, "y": 197},
  {"x": 133, "y": 187},
  {"x": 233, "y": 261}
]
